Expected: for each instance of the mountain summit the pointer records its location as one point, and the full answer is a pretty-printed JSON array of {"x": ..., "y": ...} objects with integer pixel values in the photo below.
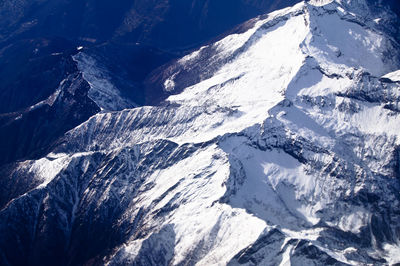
[{"x": 276, "y": 145}]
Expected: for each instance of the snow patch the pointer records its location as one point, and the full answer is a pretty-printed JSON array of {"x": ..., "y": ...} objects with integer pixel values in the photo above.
[
  {"x": 394, "y": 76},
  {"x": 102, "y": 91},
  {"x": 393, "y": 253}
]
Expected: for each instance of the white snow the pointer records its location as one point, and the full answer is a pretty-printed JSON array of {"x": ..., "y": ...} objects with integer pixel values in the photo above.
[
  {"x": 277, "y": 183},
  {"x": 197, "y": 212},
  {"x": 354, "y": 221},
  {"x": 191, "y": 56},
  {"x": 355, "y": 45},
  {"x": 286, "y": 256},
  {"x": 320, "y": 2},
  {"x": 169, "y": 84},
  {"x": 393, "y": 253},
  {"x": 50, "y": 100},
  {"x": 102, "y": 90},
  {"x": 250, "y": 84},
  {"x": 287, "y": 60},
  {"x": 307, "y": 59},
  {"x": 46, "y": 169},
  {"x": 395, "y": 76}
]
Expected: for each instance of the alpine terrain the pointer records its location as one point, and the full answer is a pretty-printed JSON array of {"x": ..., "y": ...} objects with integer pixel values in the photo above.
[{"x": 276, "y": 144}]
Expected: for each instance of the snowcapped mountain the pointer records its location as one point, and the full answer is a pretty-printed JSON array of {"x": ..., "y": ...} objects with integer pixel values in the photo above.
[
  {"x": 121, "y": 42},
  {"x": 278, "y": 145}
]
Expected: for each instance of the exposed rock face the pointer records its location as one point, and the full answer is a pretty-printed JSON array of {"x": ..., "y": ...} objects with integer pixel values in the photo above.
[
  {"x": 31, "y": 131},
  {"x": 278, "y": 144}
]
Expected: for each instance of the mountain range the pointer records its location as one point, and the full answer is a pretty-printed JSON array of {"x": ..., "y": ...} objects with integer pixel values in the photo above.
[{"x": 162, "y": 137}]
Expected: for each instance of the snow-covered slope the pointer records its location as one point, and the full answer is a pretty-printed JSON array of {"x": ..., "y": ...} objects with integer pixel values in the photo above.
[
  {"x": 102, "y": 91},
  {"x": 280, "y": 146}
]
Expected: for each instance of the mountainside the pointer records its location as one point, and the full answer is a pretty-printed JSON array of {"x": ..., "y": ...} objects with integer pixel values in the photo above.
[
  {"x": 277, "y": 145},
  {"x": 166, "y": 24},
  {"x": 120, "y": 44}
]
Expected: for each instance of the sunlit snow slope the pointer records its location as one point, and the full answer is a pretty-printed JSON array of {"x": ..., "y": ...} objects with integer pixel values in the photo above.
[{"x": 278, "y": 146}]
